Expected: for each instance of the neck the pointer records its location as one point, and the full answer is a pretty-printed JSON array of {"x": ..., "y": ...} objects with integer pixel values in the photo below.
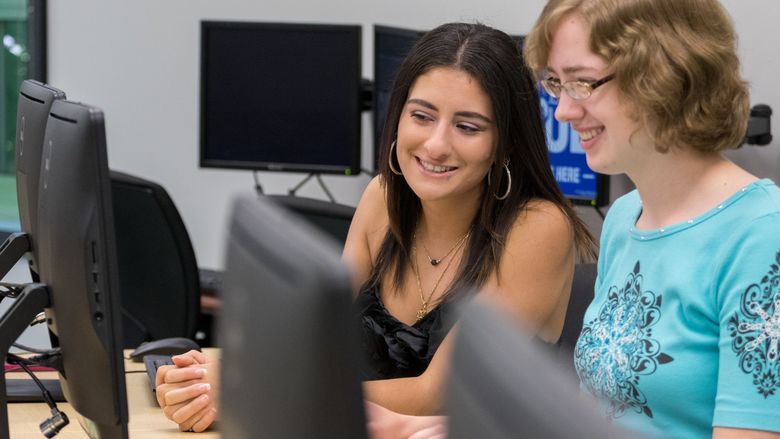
[
  {"x": 442, "y": 223},
  {"x": 682, "y": 184}
]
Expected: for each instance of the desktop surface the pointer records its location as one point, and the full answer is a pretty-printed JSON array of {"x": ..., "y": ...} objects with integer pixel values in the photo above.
[{"x": 147, "y": 421}]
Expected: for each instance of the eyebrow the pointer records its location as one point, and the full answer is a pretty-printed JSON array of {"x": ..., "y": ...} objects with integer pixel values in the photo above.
[
  {"x": 469, "y": 114},
  {"x": 571, "y": 70}
]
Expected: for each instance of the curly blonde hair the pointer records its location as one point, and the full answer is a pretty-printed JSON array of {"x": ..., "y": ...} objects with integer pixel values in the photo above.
[{"x": 674, "y": 61}]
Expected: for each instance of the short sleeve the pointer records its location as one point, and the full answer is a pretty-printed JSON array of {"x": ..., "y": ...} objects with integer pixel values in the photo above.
[{"x": 748, "y": 301}]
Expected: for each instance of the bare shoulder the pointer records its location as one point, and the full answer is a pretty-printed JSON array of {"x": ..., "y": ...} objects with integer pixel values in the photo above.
[
  {"x": 371, "y": 213},
  {"x": 542, "y": 222},
  {"x": 536, "y": 268},
  {"x": 366, "y": 232}
]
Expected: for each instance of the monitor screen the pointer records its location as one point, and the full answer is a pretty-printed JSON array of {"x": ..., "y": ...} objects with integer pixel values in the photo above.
[
  {"x": 35, "y": 100},
  {"x": 77, "y": 261},
  {"x": 391, "y": 44},
  {"x": 280, "y": 97},
  {"x": 288, "y": 331}
]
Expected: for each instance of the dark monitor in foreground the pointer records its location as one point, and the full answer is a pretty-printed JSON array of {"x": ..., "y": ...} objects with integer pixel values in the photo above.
[
  {"x": 77, "y": 262},
  {"x": 287, "y": 330},
  {"x": 35, "y": 100},
  {"x": 504, "y": 385},
  {"x": 280, "y": 97},
  {"x": 391, "y": 45}
]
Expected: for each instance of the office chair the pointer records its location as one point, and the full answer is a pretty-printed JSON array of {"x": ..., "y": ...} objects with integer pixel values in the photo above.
[
  {"x": 332, "y": 218},
  {"x": 158, "y": 273},
  {"x": 581, "y": 295}
]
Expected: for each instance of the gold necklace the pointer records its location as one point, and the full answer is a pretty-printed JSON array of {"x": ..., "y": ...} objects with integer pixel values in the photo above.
[
  {"x": 424, "y": 302},
  {"x": 436, "y": 262}
]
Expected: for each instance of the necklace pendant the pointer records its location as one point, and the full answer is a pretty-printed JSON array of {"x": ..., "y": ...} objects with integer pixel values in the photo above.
[
  {"x": 435, "y": 262},
  {"x": 421, "y": 312}
]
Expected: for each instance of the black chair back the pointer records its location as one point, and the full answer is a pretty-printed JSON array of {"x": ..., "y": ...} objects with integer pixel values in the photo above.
[
  {"x": 158, "y": 273},
  {"x": 581, "y": 295}
]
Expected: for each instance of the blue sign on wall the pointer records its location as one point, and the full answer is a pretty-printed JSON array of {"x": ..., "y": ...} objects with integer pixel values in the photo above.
[{"x": 567, "y": 158}]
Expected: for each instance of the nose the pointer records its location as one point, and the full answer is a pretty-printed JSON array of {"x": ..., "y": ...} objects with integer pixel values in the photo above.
[
  {"x": 568, "y": 109},
  {"x": 438, "y": 145}
]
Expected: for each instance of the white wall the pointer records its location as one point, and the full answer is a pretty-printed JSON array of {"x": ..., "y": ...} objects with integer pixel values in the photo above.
[{"x": 139, "y": 61}]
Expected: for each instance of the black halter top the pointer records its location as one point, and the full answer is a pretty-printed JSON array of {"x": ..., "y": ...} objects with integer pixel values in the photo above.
[{"x": 393, "y": 349}]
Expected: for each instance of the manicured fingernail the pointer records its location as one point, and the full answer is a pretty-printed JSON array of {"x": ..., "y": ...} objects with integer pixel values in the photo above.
[
  {"x": 203, "y": 397},
  {"x": 205, "y": 387},
  {"x": 201, "y": 373}
]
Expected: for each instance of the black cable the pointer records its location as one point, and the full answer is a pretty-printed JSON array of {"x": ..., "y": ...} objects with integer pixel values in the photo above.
[
  {"x": 258, "y": 187},
  {"x": 601, "y": 214},
  {"x": 35, "y": 350},
  {"x": 58, "y": 419},
  {"x": 23, "y": 363}
]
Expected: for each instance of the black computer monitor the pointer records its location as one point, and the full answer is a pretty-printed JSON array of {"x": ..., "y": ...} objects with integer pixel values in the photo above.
[
  {"x": 77, "y": 262},
  {"x": 287, "y": 330},
  {"x": 35, "y": 100},
  {"x": 391, "y": 45},
  {"x": 503, "y": 385},
  {"x": 280, "y": 97}
]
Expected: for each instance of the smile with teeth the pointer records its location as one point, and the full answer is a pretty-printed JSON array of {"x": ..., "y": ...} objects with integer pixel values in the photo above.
[
  {"x": 589, "y": 134},
  {"x": 430, "y": 167}
]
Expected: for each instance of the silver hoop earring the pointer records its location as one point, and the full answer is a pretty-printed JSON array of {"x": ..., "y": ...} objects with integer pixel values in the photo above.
[
  {"x": 390, "y": 160},
  {"x": 509, "y": 181}
]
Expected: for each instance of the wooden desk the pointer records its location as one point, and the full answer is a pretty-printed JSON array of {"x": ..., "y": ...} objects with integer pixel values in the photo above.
[{"x": 146, "y": 418}]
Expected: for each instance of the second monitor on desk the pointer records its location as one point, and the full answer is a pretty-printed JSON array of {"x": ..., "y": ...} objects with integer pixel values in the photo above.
[{"x": 288, "y": 334}]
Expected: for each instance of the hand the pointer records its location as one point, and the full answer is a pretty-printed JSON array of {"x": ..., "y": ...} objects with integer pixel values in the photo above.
[
  {"x": 188, "y": 391},
  {"x": 387, "y": 424}
]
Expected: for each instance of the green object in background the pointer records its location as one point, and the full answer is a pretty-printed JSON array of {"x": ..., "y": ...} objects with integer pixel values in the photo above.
[{"x": 13, "y": 70}]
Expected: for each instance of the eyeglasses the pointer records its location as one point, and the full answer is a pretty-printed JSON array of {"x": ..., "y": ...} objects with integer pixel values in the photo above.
[{"x": 577, "y": 90}]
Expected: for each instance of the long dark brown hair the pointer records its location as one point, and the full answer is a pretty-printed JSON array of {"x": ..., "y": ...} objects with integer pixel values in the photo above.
[{"x": 493, "y": 58}]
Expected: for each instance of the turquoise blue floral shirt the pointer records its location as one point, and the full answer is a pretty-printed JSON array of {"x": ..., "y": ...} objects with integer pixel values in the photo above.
[{"x": 683, "y": 334}]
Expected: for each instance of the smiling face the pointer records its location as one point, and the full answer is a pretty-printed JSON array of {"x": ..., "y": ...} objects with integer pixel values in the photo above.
[
  {"x": 613, "y": 141},
  {"x": 446, "y": 136}
]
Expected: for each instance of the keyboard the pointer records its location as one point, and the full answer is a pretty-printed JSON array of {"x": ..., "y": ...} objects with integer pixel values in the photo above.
[{"x": 153, "y": 362}]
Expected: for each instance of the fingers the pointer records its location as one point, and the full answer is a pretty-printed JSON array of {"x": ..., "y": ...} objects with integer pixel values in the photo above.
[
  {"x": 438, "y": 431},
  {"x": 182, "y": 374},
  {"x": 161, "y": 372},
  {"x": 190, "y": 358},
  {"x": 164, "y": 389},
  {"x": 201, "y": 421},
  {"x": 184, "y": 412},
  {"x": 187, "y": 393}
]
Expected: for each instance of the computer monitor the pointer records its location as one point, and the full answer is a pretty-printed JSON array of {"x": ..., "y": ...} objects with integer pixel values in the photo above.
[
  {"x": 280, "y": 97},
  {"x": 288, "y": 331},
  {"x": 503, "y": 384},
  {"x": 391, "y": 45},
  {"x": 35, "y": 99},
  {"x": 77, "y": 262}
]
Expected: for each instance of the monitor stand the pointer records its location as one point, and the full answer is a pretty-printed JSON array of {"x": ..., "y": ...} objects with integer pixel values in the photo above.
[
  {"x": 29, "y": 302},
  {"x": 319, "y": 180}
]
